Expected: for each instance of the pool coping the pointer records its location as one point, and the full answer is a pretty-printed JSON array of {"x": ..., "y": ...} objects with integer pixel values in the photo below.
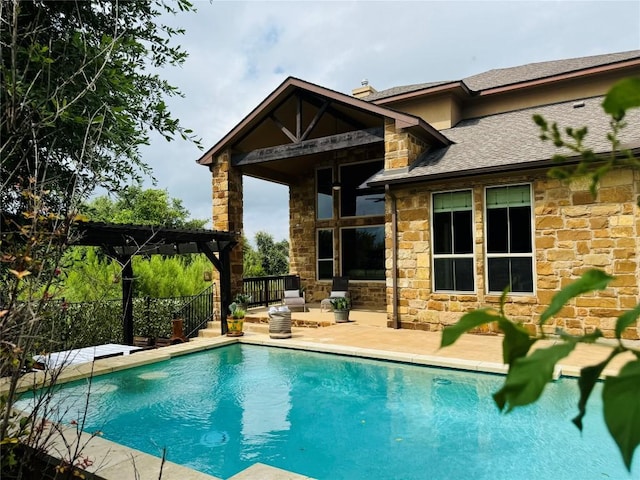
[{"x": 113, "y": 459}]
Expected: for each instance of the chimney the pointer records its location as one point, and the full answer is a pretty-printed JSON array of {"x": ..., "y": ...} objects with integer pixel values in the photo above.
[{"x": 364, "y": 91}]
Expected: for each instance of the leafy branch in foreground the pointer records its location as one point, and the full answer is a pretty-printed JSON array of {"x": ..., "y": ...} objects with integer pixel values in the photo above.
[{"x": 531, "y": 370}]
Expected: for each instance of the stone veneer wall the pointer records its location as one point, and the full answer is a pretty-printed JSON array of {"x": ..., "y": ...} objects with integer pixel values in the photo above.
[
  {"x": 401, "y": 147},
  {"x": 303, "y": 226},
  {"x": 573, "y": 233}
]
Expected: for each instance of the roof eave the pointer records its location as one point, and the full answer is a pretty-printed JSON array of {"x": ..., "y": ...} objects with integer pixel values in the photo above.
[
  {"x": 532, "y": 165},
  {"x": 402, "y": 120},
  {"x": 454, "y": 87}
]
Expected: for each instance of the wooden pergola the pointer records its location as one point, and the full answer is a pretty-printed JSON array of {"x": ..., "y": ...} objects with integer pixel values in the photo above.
[{"x": 123, "y": 241}]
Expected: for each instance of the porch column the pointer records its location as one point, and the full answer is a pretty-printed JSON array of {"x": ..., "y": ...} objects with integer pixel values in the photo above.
[
  {"x": 227, "y": 213},
  {"x": 401, "y": 149}
]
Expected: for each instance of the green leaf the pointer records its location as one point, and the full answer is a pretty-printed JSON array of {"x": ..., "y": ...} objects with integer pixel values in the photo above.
[
  {"x": 468, "y": 322},
  {"x": 587, "y": 338},
  {"x": 624, "y": 95},
  {"x": 516, "y": 342},
  {"x": 529, "y": 375},
  {"x": 627, "y": 318},
  {"x": 589, "y": 281},
  {"x": 588, "y": 378},
  {"x": 621, "y": 405}
]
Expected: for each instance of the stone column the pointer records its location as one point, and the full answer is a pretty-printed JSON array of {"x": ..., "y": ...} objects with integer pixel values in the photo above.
[
  {"x": 226, "y": 183},
  {"x": 401, "y": 149}
]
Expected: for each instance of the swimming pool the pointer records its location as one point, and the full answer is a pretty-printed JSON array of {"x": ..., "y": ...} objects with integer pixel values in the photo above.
[{"x": 332, "y": 417}]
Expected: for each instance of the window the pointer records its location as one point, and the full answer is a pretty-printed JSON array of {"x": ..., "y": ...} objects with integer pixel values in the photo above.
[
  {"x": 363, "y": 253},
  {"x": 324, "y": 197},
  {"x": 453, "y": 241},
  {"x": 355, "y": 200},
  {"x": 325, "y": 254},
  {"x": 509, "y": 242}
]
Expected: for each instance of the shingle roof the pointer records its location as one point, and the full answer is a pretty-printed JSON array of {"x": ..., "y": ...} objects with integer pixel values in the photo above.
[
  {"x": 391, "y": 92},
  {"x": 508, "y": 76},
  {"x": 510, "y": 141},
  {"x": 534, "y": 71}
]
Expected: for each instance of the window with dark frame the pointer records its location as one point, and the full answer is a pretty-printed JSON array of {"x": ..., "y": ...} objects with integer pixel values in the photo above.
[
  {"x": 325, "y": 254},
  {"x": 509, "y": 239},
  {"x": 363, "y": 253},
  {"x": 355, "y": 199},
  {"x": 453, "y": 241},
  {"x": 324, "y": 193}
]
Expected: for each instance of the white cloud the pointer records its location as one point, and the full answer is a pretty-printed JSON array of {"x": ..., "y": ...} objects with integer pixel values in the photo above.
[{"x": 240, "y": 51}]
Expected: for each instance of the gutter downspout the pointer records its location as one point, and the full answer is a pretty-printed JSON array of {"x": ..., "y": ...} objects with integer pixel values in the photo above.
[{"x": 395, "y": 321}]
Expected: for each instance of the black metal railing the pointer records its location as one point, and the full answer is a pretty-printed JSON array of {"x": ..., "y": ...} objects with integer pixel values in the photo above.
[
  {"x": 198, "y": 311},
  {"x": 265, "y": 291},
  {"x": 82, "y": 324}
]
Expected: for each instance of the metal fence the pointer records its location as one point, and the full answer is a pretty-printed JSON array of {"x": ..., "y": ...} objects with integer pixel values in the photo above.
[
  {"x": 82, "y": 324},
  {"x": 265, "y": 291}
]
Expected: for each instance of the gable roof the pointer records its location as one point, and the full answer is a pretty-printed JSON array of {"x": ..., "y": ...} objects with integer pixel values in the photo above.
[
  {"x": 291, "y": 84},
  {"x": 502, "y": 77},
  {"x": 510, "y": 142}
]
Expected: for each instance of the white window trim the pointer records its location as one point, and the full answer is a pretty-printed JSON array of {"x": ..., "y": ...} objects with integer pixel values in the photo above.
[
  {"x": 384, "y": 280},
  {"x": 531, "y": 255},
  {"x": 471, "y": 255},
  {"x": 318, "y": 259},
  {"x": 316, "y": 195},
  {"x": 340, "y": 180}
]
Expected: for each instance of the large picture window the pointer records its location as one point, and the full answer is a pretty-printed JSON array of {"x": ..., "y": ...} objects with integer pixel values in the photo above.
[
  {"x": 355, "y": 200},
  {"x": 453, "y": 241},
  {"x": 509, "y": 239},
  {"x": 324, "y": 193},
  {"x": 363, "y": 253},
  {"x": 325, "y": 254}
]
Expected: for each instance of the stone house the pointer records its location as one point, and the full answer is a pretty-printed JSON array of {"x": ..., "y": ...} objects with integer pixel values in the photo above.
[{"x": 434, "y": 197}]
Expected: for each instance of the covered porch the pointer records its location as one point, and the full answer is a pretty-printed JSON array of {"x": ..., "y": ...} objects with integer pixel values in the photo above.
[{"x": 324, "y": 146}]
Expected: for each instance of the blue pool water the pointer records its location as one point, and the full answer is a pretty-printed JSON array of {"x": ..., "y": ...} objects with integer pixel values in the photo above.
[{"x": 332, "y": 417}]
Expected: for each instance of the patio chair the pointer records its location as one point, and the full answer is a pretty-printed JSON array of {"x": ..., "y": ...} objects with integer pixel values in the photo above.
[
  {"x": 293, "y": 296},
  {"x": 339, "y": 288}
]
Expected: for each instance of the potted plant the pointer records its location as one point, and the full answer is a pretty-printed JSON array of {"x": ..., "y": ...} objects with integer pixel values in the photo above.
[
  {"x": 341, "y": 307},
  {"x": 235, "y": 322},
  {"x": 242, "y": 300}
]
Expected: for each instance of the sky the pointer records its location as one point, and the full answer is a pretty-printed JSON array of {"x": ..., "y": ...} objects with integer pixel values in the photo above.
[{"x": 239, "y": 52}]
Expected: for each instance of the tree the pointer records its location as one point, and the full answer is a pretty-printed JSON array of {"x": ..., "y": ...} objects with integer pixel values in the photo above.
[
  {"x": 141, "y": 207},
  {"x": 270, "y": 258},
  {"x": 79, "y": 96},
  {"x": 274, "y": 256},
  {"x": 529, "y": 372}
]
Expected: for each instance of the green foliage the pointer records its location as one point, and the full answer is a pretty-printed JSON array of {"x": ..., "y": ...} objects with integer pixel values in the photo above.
[
  {"x": 236, "y": 311},
  {"x": 623, "y": 96},
  {"x": 620, "y": 398},
  {"x": 242, "y": 298},
  {"x": 529, "y": 372},
  {"x": 270, "y": 258},
  {"x": 80, "y": 96},
  {"x": 141, "y": 207},
  {"x": 340, "y": 303},
  {"x": 590, "y": 281},
  {"x": 274, "y": 256}
]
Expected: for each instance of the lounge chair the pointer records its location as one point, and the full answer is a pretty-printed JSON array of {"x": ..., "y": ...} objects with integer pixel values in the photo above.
[
  {"x": 339, "y": 288},
  {"x": 293, "y": 297}
]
